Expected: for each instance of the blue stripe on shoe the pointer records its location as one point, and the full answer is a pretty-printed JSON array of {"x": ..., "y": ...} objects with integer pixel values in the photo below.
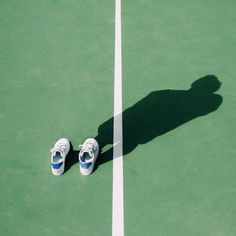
[
  {"x": 85, "y": 165},
  {"x": 57, "y": 165}
]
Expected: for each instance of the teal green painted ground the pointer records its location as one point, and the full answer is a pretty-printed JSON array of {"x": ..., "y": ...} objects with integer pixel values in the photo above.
[
  {"x": 56, "y": 76},
  {"x": 56, "y": 80},
  {"x": 182, "y": 181}
]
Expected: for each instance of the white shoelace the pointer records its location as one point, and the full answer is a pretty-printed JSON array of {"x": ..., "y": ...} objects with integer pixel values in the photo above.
[
  {"x": 60, "y": 148},
  {"x": 87, "y": 148}
]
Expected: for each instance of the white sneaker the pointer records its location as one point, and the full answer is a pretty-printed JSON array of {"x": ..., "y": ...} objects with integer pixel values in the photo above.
[
  {"x": 58, "y": 156},
  {"x": 88, "y": 156}
]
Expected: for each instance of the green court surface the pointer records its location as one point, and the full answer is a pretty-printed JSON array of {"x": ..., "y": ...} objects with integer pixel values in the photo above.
[{"x": 56, "y": 80}]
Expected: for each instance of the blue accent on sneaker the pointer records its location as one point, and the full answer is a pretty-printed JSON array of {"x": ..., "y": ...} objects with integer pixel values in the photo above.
[
  {"x": 57, "y": 165},
  {"x": 85, "y": 165}
]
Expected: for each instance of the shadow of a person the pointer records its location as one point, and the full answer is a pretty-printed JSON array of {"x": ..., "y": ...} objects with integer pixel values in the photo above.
[{"x": 160, "y": 112}]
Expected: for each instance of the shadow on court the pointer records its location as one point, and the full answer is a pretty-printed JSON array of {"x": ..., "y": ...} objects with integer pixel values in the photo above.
[
  {"x": 160, "y": 112},
  {"x": 72, "y": 158}
]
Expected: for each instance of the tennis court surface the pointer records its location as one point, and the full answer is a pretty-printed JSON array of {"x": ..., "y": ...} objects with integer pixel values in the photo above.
[{"x": 57, "y": 80}]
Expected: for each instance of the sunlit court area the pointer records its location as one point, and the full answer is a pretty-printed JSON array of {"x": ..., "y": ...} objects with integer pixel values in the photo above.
[{"x": 153, "y": 83}]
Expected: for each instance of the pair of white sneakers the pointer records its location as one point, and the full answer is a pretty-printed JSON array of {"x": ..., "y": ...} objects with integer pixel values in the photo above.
[{"x": 87, "y": 157}]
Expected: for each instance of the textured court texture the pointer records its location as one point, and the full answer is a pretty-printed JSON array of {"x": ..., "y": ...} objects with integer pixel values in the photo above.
[{"x": 56, "y": 80}]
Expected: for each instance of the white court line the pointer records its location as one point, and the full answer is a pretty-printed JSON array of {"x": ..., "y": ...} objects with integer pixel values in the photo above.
[{"x": 117, "y": 193}]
